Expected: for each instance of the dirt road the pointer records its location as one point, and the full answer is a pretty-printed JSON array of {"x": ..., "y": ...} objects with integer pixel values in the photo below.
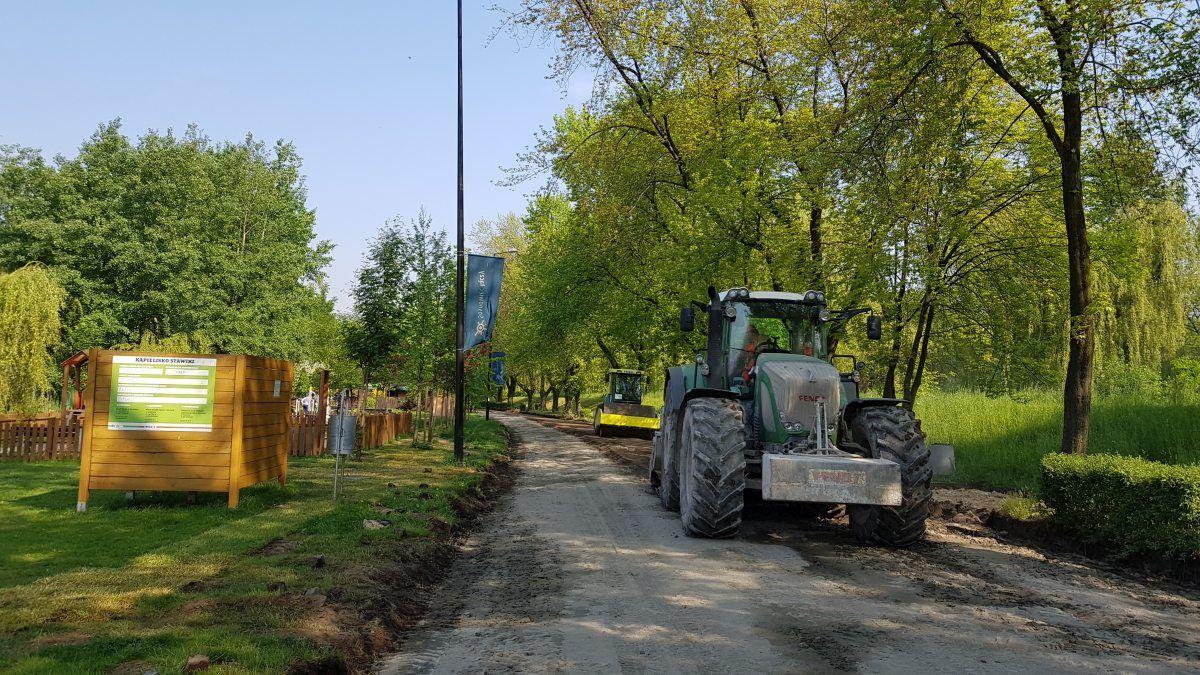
[{"x": 581, "y": 569}]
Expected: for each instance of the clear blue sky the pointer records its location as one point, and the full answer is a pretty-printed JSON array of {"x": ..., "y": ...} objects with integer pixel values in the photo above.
[{"x": 365, "y": 90}]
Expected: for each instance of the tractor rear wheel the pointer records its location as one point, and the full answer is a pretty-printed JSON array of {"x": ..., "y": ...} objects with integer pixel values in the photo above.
[
  {"x": 668, "y": 483},
  {"x": 712, "y": 468},
  {"x": 894, "y": 434},
  {"x": 656, "y": 462}
]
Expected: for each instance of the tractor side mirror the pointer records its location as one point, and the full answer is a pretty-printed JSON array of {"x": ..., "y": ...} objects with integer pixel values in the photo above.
[
  {"x": 874, "y": 328},
  {"x": 687, "y": 319}
]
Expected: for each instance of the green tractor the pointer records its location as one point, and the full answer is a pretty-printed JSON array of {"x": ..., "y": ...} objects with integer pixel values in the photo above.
[
  {"x": 763, "y": 409},
  {"x": 622, "y": 412}
]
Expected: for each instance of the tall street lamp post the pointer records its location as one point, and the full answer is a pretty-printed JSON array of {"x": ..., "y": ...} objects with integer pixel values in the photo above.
[{"x": 459, "y": 403}]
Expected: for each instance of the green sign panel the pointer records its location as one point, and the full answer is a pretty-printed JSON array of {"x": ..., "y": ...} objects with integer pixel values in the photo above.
[{"x": 162, "y": 393}]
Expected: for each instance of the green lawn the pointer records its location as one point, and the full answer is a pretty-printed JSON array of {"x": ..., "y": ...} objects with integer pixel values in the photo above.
[
  {"x": 153, "y": 581},
  {"x": 1000, "y": 441}
]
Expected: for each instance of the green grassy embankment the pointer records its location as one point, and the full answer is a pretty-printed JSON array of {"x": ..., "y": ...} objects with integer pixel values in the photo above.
[
  {"x": 1000, "y": 441},
  {"x": 145, "y": 584}
]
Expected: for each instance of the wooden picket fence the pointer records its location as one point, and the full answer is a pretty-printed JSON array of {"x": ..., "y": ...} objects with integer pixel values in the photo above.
[
  {"x": 379, "y": 429},
  {"x": 309, "y": 432},
  {"x": 40, "y": 438},
  {"x": 50, "y": 437},
  {"x": 307, "y": 436}
]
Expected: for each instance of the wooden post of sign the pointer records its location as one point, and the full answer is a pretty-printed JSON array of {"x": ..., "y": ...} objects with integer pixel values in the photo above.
[
  {"x": 52, "y": 438},
  {"x": 322, "y": 414},
  {"x": 85, "y": 453},
  {"x": 235, "y": 446},
  {"x": 290, "y": 375},
  {"x": 66, "y": 391}
]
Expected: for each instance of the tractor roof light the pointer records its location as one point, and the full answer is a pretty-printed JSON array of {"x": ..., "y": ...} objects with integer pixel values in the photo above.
[{"x": 810, "y": 296}]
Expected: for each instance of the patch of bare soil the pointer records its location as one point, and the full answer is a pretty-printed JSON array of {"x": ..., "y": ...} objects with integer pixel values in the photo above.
[
  {"x": 68, "y": 639},
  {"x": 277, "y": 546}
]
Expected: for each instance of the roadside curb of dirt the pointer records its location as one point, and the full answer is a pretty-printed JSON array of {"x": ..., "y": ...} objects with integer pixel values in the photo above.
[{"x": 390, "y": 599}]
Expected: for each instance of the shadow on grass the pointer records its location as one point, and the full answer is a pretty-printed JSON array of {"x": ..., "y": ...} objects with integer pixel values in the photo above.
[{"x": 41, "y": 534}]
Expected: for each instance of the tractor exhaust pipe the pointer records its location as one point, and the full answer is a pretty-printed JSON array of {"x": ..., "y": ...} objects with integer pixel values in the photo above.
[{"x": 716, "y": 323}]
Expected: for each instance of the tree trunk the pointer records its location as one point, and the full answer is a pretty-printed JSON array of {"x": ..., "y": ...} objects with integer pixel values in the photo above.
[
  {"x": 889, "y": 382},
  {"x": 1077, "y": 393},
  {"x": 918, "y": 337},
  {"x": 608, "y": 354},
  {"x": 925, "y": 330},
  {"x": 816, "y": 255},
  {"x": 417, "y": 414}
]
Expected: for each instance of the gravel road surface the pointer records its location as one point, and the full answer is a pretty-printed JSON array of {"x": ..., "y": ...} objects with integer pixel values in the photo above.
[{"x": 580, "y": 569}]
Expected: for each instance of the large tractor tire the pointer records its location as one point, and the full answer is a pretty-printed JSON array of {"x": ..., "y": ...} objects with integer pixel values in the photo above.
[
  {"x": 894, "y": 434},
  {"x": 712, "y": 476},
  {"x": 668, "y": 484}
]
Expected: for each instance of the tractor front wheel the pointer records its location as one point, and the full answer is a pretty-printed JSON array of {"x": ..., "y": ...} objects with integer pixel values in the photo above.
[
  {"x": 894, "y": 434},
  {"x": 712, "y": 476}
]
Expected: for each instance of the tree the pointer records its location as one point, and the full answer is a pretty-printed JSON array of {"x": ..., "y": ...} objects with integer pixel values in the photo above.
[
  {"x": 403, "y": 325},
  {"x": 170, "y": 240},
  {"x": 1082, "y": 69},
  {"x": 30, "y": 302},
  {"x": 784, "y": 144},
  {"x": 379, "y": 293}
]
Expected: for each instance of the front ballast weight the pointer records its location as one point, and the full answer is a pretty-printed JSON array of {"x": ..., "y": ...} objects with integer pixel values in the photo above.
[{"x": 823, "y": 473}]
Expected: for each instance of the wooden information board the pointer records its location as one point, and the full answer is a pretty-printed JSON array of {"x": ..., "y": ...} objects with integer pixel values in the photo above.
[{"x": 185, "y": 422}]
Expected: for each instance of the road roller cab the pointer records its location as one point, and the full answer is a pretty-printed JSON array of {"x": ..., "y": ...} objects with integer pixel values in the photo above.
[{"x": 622, "y": 412}]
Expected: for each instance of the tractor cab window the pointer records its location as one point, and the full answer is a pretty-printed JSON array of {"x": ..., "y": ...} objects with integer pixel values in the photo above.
[
  {"x": 771, "y": 326},
  {"x": 627, "y": 388}
]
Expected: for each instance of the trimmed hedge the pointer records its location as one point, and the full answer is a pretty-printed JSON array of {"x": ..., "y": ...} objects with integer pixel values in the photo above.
[{"x": 1132, "y": 504}]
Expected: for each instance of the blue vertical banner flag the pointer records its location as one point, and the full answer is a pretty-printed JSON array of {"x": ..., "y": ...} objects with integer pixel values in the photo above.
[
  {"x": 498, "y": 369},
  {"x": 484, "y": 273}
]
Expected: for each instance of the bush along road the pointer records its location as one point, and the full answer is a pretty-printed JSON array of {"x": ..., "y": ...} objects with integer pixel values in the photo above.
[{"x": 580, "y": 568}]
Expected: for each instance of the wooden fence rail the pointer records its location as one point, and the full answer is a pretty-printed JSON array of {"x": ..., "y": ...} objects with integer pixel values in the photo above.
[
  {"x": 50, "y": 437},
  {"x": 39, "y": 438}
]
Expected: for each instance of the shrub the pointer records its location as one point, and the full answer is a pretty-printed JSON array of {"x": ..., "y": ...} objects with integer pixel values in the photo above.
[
  {"x": 1117, "y": 380},
  {"x": 1022, "y": 507},
  {"x": 1185, "y": 379},
  {"x": 1134, "y": 505}
]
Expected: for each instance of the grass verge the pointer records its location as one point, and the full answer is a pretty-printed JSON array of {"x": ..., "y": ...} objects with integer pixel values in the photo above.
[
  {"x": 288, "y": 578},
  {"x": 999, "y": 441}
]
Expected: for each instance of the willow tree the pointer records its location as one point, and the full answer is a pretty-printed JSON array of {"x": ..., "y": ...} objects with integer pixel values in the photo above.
[
  {"x": 30, "y": 302},
  {"x": 1084, "y": 70}
]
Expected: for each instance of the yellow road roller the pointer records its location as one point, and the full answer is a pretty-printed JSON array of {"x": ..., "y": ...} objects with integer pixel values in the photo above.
[{"x": 622, "y": 412}]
